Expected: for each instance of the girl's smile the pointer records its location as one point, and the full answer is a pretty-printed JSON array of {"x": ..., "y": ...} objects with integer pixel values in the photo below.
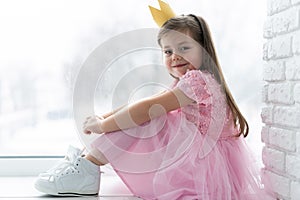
[{"x": 180, "y": 65}]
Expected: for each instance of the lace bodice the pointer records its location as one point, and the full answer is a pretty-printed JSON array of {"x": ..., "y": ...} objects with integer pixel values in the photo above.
[{"x": 210, "y": 111}]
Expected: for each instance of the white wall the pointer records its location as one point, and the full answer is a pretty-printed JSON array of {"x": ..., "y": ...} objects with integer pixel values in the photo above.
[{"x": 281, "y": 96}]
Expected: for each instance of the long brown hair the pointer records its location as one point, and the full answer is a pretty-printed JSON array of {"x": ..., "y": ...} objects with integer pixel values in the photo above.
[{"x": 199, "y": 30}]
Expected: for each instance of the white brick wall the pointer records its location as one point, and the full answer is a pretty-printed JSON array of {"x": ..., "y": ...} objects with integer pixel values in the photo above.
[
  {"x": 283, "y": 139},
  {"x": 273, "y": 159},
  {"x": 277, "y": 5},
  {"x": 295, "y": 192},
  {"x": 293, "y": 68},
  {"x": 275, "y": 71},
  {"x": 281, "y": 95}
]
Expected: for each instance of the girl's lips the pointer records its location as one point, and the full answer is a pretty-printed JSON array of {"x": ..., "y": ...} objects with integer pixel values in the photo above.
[{"x": 180, "y": 65}]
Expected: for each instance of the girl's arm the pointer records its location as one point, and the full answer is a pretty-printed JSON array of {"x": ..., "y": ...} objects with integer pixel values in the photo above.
[
  {"x": 144, "y": 110},
  {"x": 111, "y": 113},
  {"x": 118, "y": 109}
]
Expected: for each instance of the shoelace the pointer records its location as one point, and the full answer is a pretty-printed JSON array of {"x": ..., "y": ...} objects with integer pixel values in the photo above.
[{"x": 67, "y": 162}]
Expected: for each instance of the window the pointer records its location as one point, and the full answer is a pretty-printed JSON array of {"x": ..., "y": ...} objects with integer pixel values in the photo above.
[{"x": 43, "y": 46}]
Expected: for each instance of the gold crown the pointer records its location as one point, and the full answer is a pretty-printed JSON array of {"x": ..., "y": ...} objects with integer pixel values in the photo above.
[{"x": 162, "y": 15}]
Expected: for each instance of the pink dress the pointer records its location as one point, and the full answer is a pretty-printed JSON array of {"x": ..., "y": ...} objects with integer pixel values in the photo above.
[{"x": 189, "y": 153}]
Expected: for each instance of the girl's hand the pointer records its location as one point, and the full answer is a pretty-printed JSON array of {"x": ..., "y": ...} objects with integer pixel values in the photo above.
[{"x": 92, "y": 125}]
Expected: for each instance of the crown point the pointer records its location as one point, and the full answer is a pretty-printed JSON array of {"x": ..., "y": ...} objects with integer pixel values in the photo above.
[{"x": 162, "y": 15}]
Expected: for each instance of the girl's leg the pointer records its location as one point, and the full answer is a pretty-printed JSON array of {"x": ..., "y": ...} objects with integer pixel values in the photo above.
[{"x": 96, "y": 157}]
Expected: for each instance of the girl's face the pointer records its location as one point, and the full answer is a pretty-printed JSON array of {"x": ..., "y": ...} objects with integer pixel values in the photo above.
[{"x": 181, "y": 53}]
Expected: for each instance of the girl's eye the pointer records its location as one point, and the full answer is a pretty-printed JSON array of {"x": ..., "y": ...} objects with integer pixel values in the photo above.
[
  {"x": 168, "y": 52},
  {"x": 184, "y": 48}
]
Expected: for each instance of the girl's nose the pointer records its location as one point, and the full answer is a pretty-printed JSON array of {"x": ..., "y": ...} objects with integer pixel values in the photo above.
[{"x": 176, "y": 57}]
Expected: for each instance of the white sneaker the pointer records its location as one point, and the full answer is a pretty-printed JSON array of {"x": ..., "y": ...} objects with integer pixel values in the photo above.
[
  {"x": 74, "y": 176},
  {"x": 71, "y": 155}
]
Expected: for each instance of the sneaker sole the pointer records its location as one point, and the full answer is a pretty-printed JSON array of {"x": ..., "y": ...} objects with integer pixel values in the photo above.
[
  {"x": 75, "y": 194},
  {"x": 64, "y": 194}
]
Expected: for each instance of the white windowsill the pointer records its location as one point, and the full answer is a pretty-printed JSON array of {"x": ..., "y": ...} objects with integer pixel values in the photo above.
[
  {"x": 17, "y": 176},
  {"x": 16, "y": 167},
  {"x": 111, "y": 188}
]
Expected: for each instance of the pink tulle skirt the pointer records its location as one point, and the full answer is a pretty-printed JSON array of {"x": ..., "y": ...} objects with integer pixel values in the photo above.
[{"x": 167, "y": 158}]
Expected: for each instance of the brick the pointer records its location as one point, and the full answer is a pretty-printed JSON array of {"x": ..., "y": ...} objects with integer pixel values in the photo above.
[
  {"x": 265, "y": 134},
  {"x": 280, "y": 47},
  {"x": 265, "y": 50},
  {"x": 282, "y": 138},
  {"x": 297, "y": 93},
  {"x": 280, "y": 93},
  {"x": 293, "y": 165},
  {"x": 298, "y": 142},
  {"x": 287, "y": 116},
  {"x": 274, "y": 71},
  {"x": 296, "y": 43},
  {"x": 275, "y": 6},
  {"x": 278, "y": 183},
  {"x": 267, "y": 115},
  {"x": 285, "y": 21},
  {"x": 295, "y": 190},
  {"x": 292, "y": 66},
  {"x": 268, "y": 28},
  {"x": 273, "y": 159},
  {"x": 265, "y": 93}
]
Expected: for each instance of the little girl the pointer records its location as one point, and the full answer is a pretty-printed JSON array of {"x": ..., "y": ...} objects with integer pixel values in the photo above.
[{"x": 184, "y": 143}]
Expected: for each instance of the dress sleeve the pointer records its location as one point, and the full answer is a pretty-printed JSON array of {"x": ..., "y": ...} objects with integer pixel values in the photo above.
[{"x": 193, "y": 85}]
